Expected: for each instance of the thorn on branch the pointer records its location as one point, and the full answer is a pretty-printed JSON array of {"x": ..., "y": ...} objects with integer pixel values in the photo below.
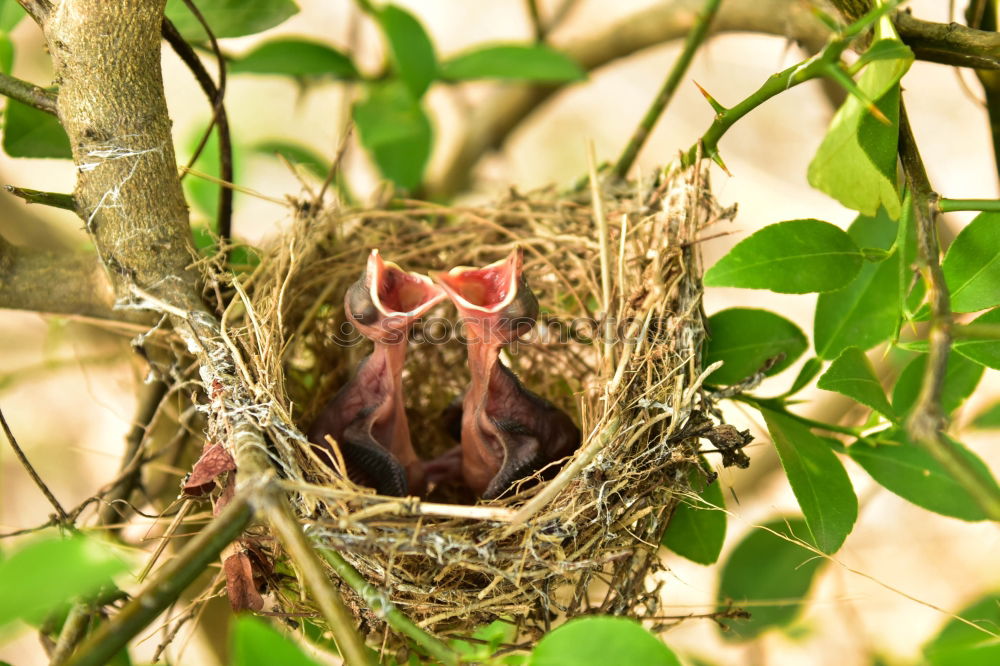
[{"x": 53, "y": 199}]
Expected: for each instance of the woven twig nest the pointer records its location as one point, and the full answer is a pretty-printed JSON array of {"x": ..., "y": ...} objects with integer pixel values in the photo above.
[{"x": 581, "y": 542}]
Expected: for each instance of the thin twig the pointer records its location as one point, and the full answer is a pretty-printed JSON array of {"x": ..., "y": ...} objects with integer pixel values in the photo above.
[
  {"x": 537, "y": 26},
  {"x": 379, "y": 602},
  {"x": 27, "y": 93},
  {"x": 60, "y": 512},
  {"x": 694, "y": 39},
  {"x": 54, "y": 199},
  {"x": 926, "y": 422},
  {"x": 130, "y": 473},
  {"x": 220, "y": 119},
  {"x": 170, "y": 580}
]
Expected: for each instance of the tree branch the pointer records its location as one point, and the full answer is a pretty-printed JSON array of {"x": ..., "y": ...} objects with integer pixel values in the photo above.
[
  {"x": 926, "y": 422},
  {"x": 27, "y": 93},
  {"x": 112, "y": 106},
  {"x": 70, "y": 283},
  {"x": 168, "y": 583},
  {"x": 507, "y": 108},
  {"x": 694, "y": 39},
  {"x": 949, "y": 43}
]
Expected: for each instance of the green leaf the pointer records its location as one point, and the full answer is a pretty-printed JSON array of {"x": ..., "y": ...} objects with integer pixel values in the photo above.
[
  {"x": 295, "y": 57},
  {"x": 697, "y": 529},
  {"x": 295, "y": 153},
  {"x": 818, "y": 480},
  {"x": 972, "y": 265},
  {"x": 229, "y": 18},
  {"x": 49, "y": 573},
  {"x": 396, "y": 131},
  {"x": 866, "y": 311},
  {"x": 489, "y": 637},
  {"x": 988, "y": 419},
  {"x": 958, "y": 644},
  {"x": 984, "y": 352},
  {"x": 526, "y": 62},
  {"x": 910, "y": 472},
  {"x": 599, "y": 641},
  {"x": 794, "y": 257},
  {"x": 11, "y": 14},
  {"x": 852, "y": 375},
  {"x": 960, "y": 380},
  {"x": 257, "y": 643},
  {"x": 28, "y": 132},
  {"x": 768, "y": 574},
  {"x": 6, "y": 53},
  {"x": 856, "y": 162},
  {"x": 745, "y": 338},
  {"x": 410, "y": 48},
  {"x": 806, "y": 374}
]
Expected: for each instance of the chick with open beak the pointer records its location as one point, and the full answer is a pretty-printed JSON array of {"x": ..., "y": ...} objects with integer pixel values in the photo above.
[
  {"x": 367, "y": 417},
  {"x": 508, "y": 432}
]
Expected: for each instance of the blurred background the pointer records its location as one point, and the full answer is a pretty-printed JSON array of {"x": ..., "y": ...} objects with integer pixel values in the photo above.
[{"x": 68, "y": 387}]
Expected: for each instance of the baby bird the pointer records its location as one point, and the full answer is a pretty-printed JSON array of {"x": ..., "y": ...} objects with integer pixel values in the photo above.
[
  {"x": 507, "y": 432},
  {"x": 367, "y": 417}
]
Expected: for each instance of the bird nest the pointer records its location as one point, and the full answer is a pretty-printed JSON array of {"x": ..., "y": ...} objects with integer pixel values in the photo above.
[{"x": 617, "y": 346}]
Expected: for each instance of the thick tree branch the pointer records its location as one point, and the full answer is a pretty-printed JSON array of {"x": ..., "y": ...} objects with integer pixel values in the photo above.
[
  {"x": 949, "y": 43},
  {"x": 56, "y": 283},
  {"x": 27, "y": 93},
  {"x": 111, "y": 103},
  {"x": 509, "y": 105}
]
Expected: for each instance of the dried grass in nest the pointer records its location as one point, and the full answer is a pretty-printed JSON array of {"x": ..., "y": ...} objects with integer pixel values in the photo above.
[{"x": 583, "y": 541}]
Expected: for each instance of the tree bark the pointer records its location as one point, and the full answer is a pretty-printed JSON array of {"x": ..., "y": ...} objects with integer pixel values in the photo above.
[{"x": 106, "y": 57}]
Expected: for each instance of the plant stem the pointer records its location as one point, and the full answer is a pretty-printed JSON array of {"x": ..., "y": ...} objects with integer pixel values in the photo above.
[
  {"x": 926, "y": 420},
  {"x": 73, "y": 631},
  {"x": 340, "y": 620},
  {"x": 167, "y": 585},
  {"x": 54, "y": 199},
  {"x": 380, "y": 604},
  {"x": 27, "y": 93},
  {"x": 694, "y": 39},
  {"x": 952, "y": 205},
  {"x": 779, "y": 406}
]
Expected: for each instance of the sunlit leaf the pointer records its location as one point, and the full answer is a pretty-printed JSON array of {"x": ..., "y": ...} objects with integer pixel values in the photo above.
[
  {"x": 410, "y": 48},
  {"x": 866, "y": 311},
  {"x": 818, "y": 480},
  {"x": 959, "y": 644},
  {"x": 960, "y": 380},
  {"x": 852, "y": 375},
  {"x": 856, "y": 162},
  {"x": 295, "y": 57},
  {"x": 988, "y": 419},
  {"x": 396, "y": 131},
  {"x": 972, "y": 265},
  {"x": 697, "y": 527},
  {"x": 6, "y": 53},
  {"x": 794, "y": 257},
  {"x": 11, "y": 14},
  {"x": 912, "y": 473},
  {"x": 744, "y": 339},
  {"x": 257, "y": 643},
  {"x": 768, "y": 575},
  {"x": 28, "y": 132},
  {"x": 529, "y": 62},
  {"x": 229, "y": 18},
  {"x": 599, "y": 641},
  {"x": 49, "y": 573},
  {"x": 984, "y": 352}
]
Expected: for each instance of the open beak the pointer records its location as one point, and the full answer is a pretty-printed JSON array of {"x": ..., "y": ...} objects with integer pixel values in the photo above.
[
  {"x": 494, "y": 301},
  {"x": 387, "y": 300}
]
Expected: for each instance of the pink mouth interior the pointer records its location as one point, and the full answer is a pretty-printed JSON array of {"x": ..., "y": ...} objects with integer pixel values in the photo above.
[
  {"x": 486, "y": 287},
  {"x": 401, "y": 292}
]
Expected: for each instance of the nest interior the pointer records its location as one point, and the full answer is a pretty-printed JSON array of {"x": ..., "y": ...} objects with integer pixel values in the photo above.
[{"x": 617, "y": 346}]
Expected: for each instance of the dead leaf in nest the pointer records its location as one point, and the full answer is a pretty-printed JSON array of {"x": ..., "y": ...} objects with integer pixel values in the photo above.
[
  {"x": 240, "y": 587},
  {"x": 214, "y": 461}
]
